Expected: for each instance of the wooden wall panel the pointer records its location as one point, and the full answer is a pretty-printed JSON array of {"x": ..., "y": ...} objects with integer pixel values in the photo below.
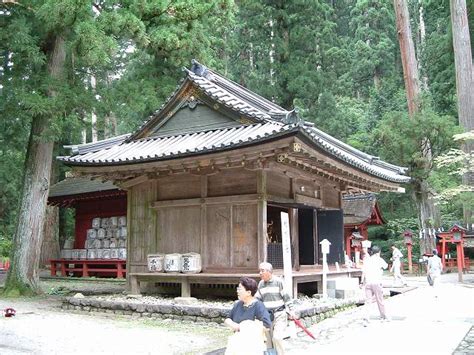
[
  {"x": 232, "y": 182},
  {"x": 218, "y": 237},
  {"x": 141, "y": 224},
  {"x": 307, "y": 188},
  {"x": 330, "y": 197},
  {"x": 190, "y": 120},
  {"x": 244, "y": 236},
  {"x": 179, "y": 229},
  {"x": 278, "y": 185},
  {"x": 179, "y": 186}
]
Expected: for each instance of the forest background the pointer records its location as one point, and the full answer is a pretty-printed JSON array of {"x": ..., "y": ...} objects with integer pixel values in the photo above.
[{"x": 337, "y": 62}]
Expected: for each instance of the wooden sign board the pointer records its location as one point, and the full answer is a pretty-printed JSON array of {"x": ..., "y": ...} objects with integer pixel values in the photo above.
[{"x": 286, "y": 244}]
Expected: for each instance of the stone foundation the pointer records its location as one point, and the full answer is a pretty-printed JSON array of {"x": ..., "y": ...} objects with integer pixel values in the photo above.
[{"x": 309, "y": 314}]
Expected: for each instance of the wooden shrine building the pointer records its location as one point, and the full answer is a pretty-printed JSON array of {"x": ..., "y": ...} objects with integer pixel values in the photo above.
[{"x": 212, "y": 169}]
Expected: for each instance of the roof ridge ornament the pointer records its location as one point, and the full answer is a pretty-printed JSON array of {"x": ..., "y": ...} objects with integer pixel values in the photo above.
[
  {"x": 199, "y": 69},
  {"x": 287, "y": 117}
]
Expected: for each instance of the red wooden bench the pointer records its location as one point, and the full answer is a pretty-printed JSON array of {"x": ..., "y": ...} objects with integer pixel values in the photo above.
[{"x": 86, "y": 266}]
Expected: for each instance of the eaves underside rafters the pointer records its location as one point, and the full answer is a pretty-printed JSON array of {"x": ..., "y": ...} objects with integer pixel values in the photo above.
[{"x": 288, "y": 155}]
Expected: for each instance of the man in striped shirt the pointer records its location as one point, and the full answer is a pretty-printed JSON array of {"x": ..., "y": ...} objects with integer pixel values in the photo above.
[{"x": 278, "y": 302}]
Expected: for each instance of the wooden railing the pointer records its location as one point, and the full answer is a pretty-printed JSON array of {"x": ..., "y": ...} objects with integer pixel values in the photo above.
[{"x": 84, "y": 267}]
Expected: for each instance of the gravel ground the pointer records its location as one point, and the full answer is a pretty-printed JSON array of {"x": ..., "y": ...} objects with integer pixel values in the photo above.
[{"x": 40, "y": 326}]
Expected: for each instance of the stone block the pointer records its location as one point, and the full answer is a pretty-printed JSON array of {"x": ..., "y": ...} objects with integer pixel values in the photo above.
[{"x": 343, "y": 283}]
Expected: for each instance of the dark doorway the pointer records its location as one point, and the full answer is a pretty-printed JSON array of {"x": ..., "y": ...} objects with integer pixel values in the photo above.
[
  {"x": 331, "y": 227},
  {"x": 274, "y": 241},
  {"x": 306, "y": 236}
]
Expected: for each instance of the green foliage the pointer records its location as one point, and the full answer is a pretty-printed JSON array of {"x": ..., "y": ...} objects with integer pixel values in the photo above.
[
  {"x": 403, "y": 139},
  {"x": 392, "y": 234},
  {"x": 372, "y": 48},
  {"x": 58, "y": 291},
  {"x": 451, "y": 166},
  {"x": 336, "y": 61},
  {"x": 116, "y": 55}
]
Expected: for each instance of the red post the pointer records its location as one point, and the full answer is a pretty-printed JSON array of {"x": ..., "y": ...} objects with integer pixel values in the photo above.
[
  {"x": 443, "y": 252},
  {"x": 119, "y": 270},
  {"x": 53, "y": 268},
  {"x": 63, "y": 268},
  {"x": 410, "y": 266},
  {"x": 348, "y": 246},
  {"x": 85, "y": 269},
  {"x": 459, "y": 260}
]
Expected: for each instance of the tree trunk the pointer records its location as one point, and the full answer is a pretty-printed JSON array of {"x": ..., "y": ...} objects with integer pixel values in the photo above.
[
  {"x": 407, "y": 51},
  {"x": 50, "y": 247},
  {"x": 464, "y": 82},
  {"x": 428, "y": 212},
  {"x": 95, "y": 135},
  {"x": 23, "y": 274},
  {"x": 429, "y": 217}
]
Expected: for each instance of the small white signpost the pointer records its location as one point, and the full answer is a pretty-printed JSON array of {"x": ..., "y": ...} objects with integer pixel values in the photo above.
[
  {"x": 286, "y": 245},
  {"x": 325, "y": 250}
]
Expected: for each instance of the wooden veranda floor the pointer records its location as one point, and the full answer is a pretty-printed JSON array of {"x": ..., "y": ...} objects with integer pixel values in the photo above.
[{"x": 306, "y": 274}]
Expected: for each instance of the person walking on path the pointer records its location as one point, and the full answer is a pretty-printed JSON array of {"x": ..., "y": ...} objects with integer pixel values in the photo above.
[
  {"x": 372, "y": 281},
  {"x": 435, "y": 267},
  {"x": 272, "y": 292},
  {"x": 396, "y": 266}
]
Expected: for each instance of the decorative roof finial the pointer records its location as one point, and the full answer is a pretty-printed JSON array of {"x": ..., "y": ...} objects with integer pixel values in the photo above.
[{"x": 199, "y": 69}]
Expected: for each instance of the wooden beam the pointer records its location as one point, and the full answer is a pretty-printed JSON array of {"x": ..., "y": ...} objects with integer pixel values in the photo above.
[
  {"x": 249, "y": 198},
  {"x": 308, "y": 201},
  {"x": 278, "y": 199},
  {"x": 132, "y": 182}
]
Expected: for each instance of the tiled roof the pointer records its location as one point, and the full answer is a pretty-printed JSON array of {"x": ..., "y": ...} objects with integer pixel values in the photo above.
[
  {"x": 166, "y": 147},
  {"x": 366, "y": 162},
  {"x": 273, "y": 121},
  {"x": 79, "y": 185},
  {"x": 357, "y": 209},
  {"x": 233, "y": 95}
]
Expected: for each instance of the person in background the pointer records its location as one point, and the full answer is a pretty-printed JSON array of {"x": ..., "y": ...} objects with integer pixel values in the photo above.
[
  {"x": 278, "y": 302},
  {"x": 396, "y": 266},
  {"x": 372, "y": 281},
  {"x": 248, "y": 319},
  {"x": 435, "y": 267}
]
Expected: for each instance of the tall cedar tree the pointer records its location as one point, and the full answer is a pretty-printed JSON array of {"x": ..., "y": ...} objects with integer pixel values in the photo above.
[
  {"x": 464, "y": 82},
  {"x": 53, "y": 46},
  {"x": 287, "y": 50}
]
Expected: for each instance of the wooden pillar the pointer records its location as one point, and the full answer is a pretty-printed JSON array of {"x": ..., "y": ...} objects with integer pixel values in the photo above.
[
  {"x": 294, "y": 234},
  {"x": 316, "y": 237},
  {"x": 262, "y": 215},
  {"x": 185, "y": 287},
  {"x": 134, "y": 285},
  {"x": 204, "y": 222},
  {"x": 130, "y": 236}
]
